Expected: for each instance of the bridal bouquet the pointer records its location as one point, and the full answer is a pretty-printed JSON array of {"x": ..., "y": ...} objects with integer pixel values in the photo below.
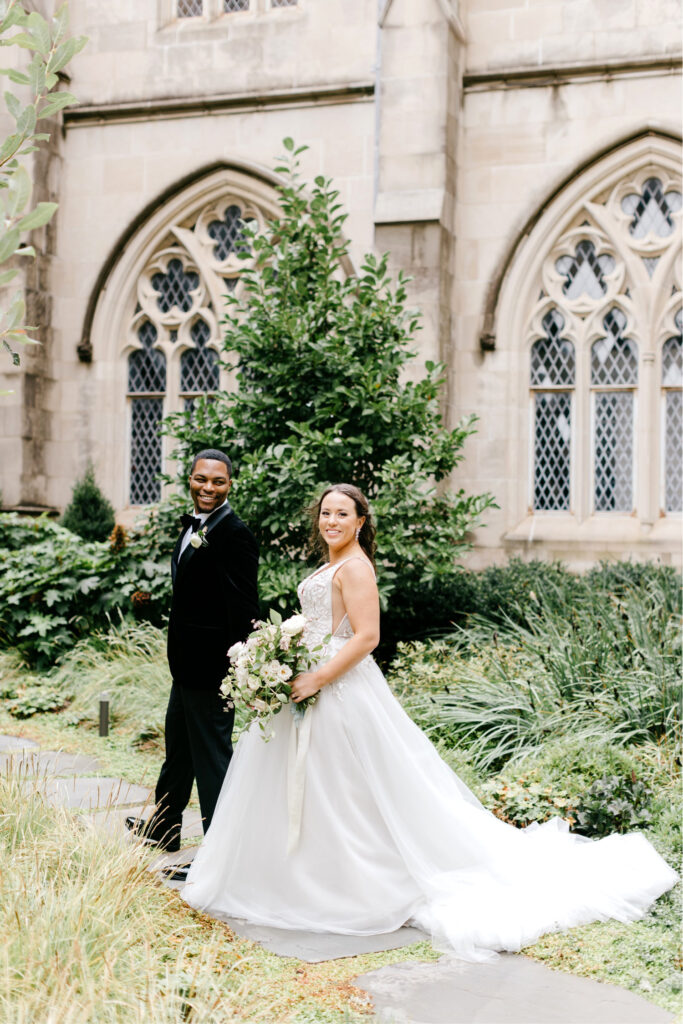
[{"x": 262, "y": 667}]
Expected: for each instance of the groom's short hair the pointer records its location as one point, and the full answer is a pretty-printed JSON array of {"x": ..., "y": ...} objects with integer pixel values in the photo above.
[{"x": 212, "y": 453}]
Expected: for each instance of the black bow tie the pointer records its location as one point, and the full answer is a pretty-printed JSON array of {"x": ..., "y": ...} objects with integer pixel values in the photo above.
[{"x": 187, "y": 520}]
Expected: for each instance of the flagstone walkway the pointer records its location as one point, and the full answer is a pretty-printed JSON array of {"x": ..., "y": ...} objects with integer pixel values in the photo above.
[{"x": 512, "y": 990}]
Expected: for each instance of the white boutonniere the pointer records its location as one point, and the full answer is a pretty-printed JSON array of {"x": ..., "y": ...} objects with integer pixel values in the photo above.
[{"x": 198, "y": 539}]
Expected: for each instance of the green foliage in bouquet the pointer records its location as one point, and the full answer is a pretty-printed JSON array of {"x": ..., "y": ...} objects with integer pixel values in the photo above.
[
  {"x": 89, "y": 514},
  {"x": 320, "y": 356},
  {"x": 263, "y": 666}
]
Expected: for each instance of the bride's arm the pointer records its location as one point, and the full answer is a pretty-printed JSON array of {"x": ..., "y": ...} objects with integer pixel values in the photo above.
[{"x": 361, "y": 601}]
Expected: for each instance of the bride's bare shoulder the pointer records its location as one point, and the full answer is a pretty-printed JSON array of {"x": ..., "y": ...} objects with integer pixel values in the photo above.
[{"x": 356, "y": 570}]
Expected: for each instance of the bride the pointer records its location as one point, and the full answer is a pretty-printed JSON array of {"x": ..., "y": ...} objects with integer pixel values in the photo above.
[{"x": 349, "y": 822}]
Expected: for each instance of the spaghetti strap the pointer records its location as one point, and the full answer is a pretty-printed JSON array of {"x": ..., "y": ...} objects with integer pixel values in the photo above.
[{"x": 350, "y": 558}]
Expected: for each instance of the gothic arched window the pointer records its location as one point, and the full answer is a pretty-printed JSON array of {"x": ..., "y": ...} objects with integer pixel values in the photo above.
[
  {"x": 600, "y": 305},
  {"x": 174, "y": 330},
  {"x": 672, "y": 418}
]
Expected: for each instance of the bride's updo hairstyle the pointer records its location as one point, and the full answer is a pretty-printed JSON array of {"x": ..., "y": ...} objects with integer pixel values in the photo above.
[{"x": 366, "y": 537}]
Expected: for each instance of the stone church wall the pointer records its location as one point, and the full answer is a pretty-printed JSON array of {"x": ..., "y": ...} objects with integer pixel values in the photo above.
[{"x": 448, "y": 128}]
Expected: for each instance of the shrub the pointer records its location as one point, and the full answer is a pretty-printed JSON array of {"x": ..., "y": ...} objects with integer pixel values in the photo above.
[
  {"x": 17, "y": 531},
  {"x": 61, "y": 588},
  {"x": 499, "y": 594},
  {"x": 322, "y": 396},
  {"x": 614, "y": 804},
  {"x": 552, "y": 779},
  {"x": 89, "y": 514},
  {"x": 597, "y": 665},
  {"x": 37, "y": 700}
]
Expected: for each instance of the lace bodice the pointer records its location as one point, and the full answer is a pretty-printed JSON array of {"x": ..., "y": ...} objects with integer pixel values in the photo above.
[{"x": 315, "y": 595}]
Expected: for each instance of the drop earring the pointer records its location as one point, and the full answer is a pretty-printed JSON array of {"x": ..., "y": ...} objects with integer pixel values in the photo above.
[{"x": 357, "y": 533}]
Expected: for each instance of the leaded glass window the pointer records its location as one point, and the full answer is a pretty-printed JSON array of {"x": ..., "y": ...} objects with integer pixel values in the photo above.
[
  {"x": 232, "y": 6},
  {"x": 175, "y": 287},
  {"x": 146, "y": 366},
  {"x": 672, "y": 384},
  {"x": 614, "y": 365},
  {"x": 190, "y": 8},
  {"x": 145, "y": 453},
  {"x": 146, "y": 377},
  {"x": 614, "y": 359},
  {"x": 552, "y": 357},
  {"x": 227, "y": 234},
  {"x": 651, "y": 209},
  {"x": 283, "y": 3},
  {"x": 199, "y": 369},
  {"x": 585, "y": 271},
  {"x": 552, "y": 367}
]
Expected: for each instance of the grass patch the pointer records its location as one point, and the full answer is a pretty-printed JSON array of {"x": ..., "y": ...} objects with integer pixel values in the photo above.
[{"x": 87, "y": 935}]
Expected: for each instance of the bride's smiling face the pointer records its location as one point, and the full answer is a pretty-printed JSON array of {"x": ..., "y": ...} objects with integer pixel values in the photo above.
[{"x": 338, "y": 520}]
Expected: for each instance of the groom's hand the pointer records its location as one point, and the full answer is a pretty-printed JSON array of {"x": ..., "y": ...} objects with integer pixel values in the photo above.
[{"x": 304, "y": 686}]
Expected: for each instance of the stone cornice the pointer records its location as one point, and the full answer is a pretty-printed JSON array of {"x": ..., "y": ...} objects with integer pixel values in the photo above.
[
  {"x": 560, "y": 74},
  {"x": 165, "y": 108}
]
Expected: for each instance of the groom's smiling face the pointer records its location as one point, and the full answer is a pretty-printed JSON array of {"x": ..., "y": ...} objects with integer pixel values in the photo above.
[{"x": 209, "y": 484}]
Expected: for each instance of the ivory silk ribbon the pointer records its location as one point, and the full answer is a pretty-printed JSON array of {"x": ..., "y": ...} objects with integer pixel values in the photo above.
[{"x": 299, "y": 742}]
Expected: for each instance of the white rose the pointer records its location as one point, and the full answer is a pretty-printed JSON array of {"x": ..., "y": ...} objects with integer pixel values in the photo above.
[
  {"x": 196, "y": 540},
  {"x": 236, "y": 649},
  {"x": 284, "y": 672},
  {"x": 259, "y": 705},
  {"x": 295, "y": 624},
  {"x": 285, "y": 641}
]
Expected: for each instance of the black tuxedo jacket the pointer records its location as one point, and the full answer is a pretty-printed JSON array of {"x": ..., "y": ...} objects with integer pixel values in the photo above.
[{"x": 215, "y": 600}]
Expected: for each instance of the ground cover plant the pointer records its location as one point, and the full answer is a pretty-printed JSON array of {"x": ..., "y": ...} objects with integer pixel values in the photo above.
[{"x": 56, "y": 588}]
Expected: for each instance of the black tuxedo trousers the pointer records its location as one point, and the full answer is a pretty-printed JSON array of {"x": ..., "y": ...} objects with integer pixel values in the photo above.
[{"x": 215, "y": 601}]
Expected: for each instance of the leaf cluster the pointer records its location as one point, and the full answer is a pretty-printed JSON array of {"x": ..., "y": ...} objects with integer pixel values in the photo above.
[
  {"x": 56, "y": 588},
  {"x": 575, "y": 659},
  {"x": 51, "y": 50},
  {"x": 614, "y": 803}
]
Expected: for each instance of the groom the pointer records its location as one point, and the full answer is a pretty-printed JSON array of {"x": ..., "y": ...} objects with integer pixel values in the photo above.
[{"x": 214, "y": 602}]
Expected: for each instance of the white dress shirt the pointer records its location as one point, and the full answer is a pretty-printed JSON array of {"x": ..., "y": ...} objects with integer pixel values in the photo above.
[{"x": 203, "y": 516}]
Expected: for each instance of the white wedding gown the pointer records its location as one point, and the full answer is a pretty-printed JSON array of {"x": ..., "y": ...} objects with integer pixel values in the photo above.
[{"x": 390, "y": 835}]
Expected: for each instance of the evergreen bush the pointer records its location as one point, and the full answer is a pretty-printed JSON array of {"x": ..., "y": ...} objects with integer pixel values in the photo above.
[{"x": 89, "y": 514}]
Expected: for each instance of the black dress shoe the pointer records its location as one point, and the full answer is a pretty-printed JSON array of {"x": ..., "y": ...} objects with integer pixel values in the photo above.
[
  {"x": 176, "y": 872},
  {"x": 140, "y": 827}
]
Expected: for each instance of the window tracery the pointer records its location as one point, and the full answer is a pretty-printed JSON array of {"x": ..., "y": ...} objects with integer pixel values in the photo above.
[
  {"x": 593, "y": 329},
  {"x": 174, "y": 329}
]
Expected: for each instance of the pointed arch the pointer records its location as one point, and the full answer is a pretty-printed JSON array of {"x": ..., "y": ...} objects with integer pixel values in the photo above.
[
  {"x": 600, "y": 258},
  {"x": 152, "y": 330}
]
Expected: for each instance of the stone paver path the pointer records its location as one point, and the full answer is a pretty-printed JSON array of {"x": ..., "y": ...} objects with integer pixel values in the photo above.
[{"x": 513, "y": 990}]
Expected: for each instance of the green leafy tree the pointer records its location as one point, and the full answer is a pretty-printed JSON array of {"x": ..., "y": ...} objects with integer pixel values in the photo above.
[
  {"x": 37, "y": 99},
  {"x": 89, "y": 514},
  {"x": 320, "y": 356}
]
